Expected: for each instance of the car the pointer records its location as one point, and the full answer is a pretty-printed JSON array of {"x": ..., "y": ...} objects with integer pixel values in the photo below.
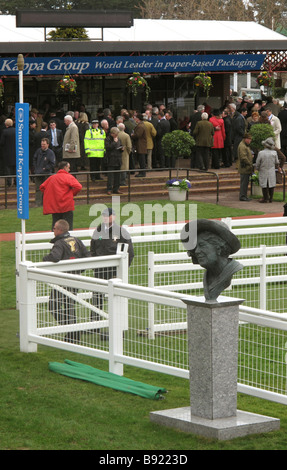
[{"x": 250, "y": 93}]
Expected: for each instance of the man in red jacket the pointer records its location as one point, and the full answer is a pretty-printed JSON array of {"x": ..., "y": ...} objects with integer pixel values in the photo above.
[{"x": 58, "y": 194}]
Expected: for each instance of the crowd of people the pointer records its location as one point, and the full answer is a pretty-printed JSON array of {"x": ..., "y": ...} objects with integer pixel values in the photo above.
[
  {"x": 131, "y": 140},
  {"x": 107, "y": 144},
  {"x": 223, "y": 137}
]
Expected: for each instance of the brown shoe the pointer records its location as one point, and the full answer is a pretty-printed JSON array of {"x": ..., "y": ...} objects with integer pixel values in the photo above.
[
  {"x": 262, "y": 200},
  {"x": 118, "y": 192},
  {"x": 109, "y": 193}
]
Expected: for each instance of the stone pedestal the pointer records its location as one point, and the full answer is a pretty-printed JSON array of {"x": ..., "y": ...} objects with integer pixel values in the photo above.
[{"x": 213, "y": 359}]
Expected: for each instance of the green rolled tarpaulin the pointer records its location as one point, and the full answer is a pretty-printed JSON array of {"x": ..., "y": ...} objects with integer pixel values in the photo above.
[{"x": 80, "y": 371}]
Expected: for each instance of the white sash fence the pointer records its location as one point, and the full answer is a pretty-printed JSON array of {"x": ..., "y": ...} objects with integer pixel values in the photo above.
[{"x": 142, "y": 319}]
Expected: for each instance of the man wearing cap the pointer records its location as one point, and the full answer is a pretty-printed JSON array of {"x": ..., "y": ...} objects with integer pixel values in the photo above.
[
  {"x": 245, "y": 165},
  {"x": 266, "y": 163},
  {"x": 107, "y": 236},
  {"x": 94, "y": 142},
  {"x": 105, "y": 240},
  {"x": 210, "y": 243}
]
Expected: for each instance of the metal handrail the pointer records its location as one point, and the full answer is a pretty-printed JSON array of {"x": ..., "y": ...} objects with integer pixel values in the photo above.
[{"x": 171, "y": 171}]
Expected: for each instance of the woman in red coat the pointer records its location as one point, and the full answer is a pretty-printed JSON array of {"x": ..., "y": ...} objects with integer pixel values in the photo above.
[
  {"x": 218, "y": 138},
  {"x": 58, "y": 194}
]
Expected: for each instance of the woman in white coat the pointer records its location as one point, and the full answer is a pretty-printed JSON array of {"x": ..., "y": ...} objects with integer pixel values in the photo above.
[{"x": 266, "y": 164}]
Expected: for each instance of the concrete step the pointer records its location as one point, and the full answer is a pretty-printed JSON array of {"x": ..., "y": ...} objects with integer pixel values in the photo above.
[{"x": 150, "y": 187}]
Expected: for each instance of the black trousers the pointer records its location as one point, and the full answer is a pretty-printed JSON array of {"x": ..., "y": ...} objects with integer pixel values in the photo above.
[
  {"x": 142, "y": 163},
  {"x": 68, "y": 216},
  {"x": 95, "y": 165},
  {"x": 98, "y": 297},
  {"x": 202, "y": 157},
  {"x": 113, "y": 178},
  {"x": 63, "y": 310}
]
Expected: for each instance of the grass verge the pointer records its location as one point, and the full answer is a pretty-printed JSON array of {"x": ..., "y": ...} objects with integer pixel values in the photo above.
[{"x": 41, "y": 410}]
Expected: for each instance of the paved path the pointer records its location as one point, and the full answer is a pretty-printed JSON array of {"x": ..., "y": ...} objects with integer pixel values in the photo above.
[{"x": 231, "y": 199}]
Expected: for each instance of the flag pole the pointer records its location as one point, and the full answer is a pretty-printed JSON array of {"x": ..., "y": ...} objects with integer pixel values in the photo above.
[{"x": 20, "y": 65}]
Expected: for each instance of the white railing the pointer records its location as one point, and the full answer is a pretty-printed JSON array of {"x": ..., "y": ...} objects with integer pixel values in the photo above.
[
  {"x": 127, "y": 344},
  {"x": 164, "y": 334},
  {"x": 254, "y": 232},
  {"x": 173, "y": 263}
]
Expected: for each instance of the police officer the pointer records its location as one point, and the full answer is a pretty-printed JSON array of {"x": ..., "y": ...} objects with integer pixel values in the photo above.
[{"x": 94, "y": 143}]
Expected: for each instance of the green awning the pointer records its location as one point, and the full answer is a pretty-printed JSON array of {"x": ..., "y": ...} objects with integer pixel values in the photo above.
[{"x": 106, "y": 379}]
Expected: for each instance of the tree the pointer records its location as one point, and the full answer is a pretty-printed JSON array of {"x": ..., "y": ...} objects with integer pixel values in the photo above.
[
  {"x": 67, "y": 34},
  {"x": 270, "y": 13},
  {"x": 219, "y": 10},
  {"x": 10, "y": 7}
]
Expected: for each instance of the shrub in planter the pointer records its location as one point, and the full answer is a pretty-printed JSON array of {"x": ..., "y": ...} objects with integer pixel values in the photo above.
[
  {"x": 260, "y": 132},
  {"x": 177, "y": 144}
]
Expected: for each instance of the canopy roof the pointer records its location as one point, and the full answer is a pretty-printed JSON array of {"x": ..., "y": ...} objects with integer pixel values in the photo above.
[
  {"x": 148, "y": 36},
  {"x": 188, "y": 30},
  {"x": 154, "y": 30}
]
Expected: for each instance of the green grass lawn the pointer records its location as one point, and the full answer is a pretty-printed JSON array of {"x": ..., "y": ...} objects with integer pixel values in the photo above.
[
  {"x": 41, "y": 410},
  {"x": 82, "y": 218}
]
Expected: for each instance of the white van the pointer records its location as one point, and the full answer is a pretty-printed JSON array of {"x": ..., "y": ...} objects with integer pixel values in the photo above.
[{"x": 250, "y": 93}]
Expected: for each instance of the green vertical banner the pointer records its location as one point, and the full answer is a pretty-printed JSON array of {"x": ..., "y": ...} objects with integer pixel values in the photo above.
[{"x": 22, "y": 159}]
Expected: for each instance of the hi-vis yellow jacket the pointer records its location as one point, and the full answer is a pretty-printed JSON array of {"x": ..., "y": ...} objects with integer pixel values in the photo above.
[{"x": 94, "y": 142}]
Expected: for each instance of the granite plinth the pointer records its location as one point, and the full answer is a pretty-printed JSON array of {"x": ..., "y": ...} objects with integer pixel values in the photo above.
[
  {"x": 213, "y": 357},
  {"x": 213, "y": 361},
  {"x": 223, "y": 429}
]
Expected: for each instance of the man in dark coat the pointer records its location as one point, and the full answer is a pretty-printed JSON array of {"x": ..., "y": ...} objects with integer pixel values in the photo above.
[
  {"x": 40, "y": 135},
  {"x": 283, "y": 135},
  {"x": 8, "y": 147},
  {"x": 44, "y": 165},
  {"x": 227, "y": 151},
  {"x": 105, "y": 240},
  {"x": 171, "y": 120},
  {"x": 196, "y": 117},
  {"x": 32, "y": 148},
  {"x": 239, "y": 126},
  {"x": 163, "y": 128},
  {"x": 55, "y": 136},
  {"x": 65, "y": 247}
]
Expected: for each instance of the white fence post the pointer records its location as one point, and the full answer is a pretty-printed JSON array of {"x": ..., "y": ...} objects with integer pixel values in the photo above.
[
  {"x": 123, "y": 274},
  {"x": 263, "y": 279},
  {"x": 116, "y": 329},
  {"x": 151, "y": 263},
  {"x": 27, "y": 308},
  {"x": 17, "y": 263}
]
